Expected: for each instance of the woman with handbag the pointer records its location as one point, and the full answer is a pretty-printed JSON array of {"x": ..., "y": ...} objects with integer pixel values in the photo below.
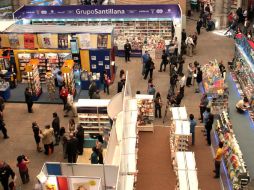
[{"x": 63, "y": 95}]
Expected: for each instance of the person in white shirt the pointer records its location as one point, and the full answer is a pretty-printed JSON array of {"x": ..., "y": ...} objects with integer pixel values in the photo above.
[
  {"x": 242, "y": 105},
  {"x": 182, "y": 83},
  {"x": 70, "y": 106},
  {"x": 190, "y": 44}
]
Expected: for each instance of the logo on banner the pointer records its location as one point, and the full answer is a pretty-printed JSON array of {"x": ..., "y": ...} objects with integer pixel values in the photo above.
[
  {"x": 152, "y": 10},
  {"x": 44, "y": 12},
  {"x": 100, "y": 12},
  {"x": 159, "y": 11}
]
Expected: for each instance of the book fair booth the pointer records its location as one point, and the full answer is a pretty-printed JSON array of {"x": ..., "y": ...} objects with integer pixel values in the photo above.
[
  {"x": 119, "y": 168},
  {"x": 147, "y": 27},
  {"x": 81, "y": 56}
]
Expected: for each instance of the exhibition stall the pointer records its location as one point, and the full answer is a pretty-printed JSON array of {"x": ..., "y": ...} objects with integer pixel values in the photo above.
[
  {"x": 73, "y": 49},
  {"x": 145, "y": 26},
  {"x": 145, "y": 105},
  {"x": 93, "y": 117},
  {"x": 214, "y": 86},
  {"x": 183, "y": 161},
  {"x": 236, "y": 168},
  {"x": 120, "y": 162},
  {"x": 243, "y": 70}
]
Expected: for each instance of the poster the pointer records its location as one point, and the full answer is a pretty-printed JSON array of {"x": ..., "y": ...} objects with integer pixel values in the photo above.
[
  {"x": 14, "y": 40},
  {"x": 78, "y": 183},
  {"x": 46, "y": 41},
  {"x": 102, "y": 41},
  {"x": 84, "y": 41},
  {"x": 46, "y": 2},
  {"x": 29, "y": 41},
  {"x": 63, "y": 41}
]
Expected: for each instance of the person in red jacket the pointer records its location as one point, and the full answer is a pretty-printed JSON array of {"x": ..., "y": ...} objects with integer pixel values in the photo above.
[{"x": 63, "y": 95}]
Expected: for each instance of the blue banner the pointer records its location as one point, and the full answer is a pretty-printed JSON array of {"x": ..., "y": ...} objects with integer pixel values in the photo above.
[{"x": 99, "y": 12}]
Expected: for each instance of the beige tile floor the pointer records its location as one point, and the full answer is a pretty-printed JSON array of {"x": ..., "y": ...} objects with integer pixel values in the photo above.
[{"x": 18, "y": 121}]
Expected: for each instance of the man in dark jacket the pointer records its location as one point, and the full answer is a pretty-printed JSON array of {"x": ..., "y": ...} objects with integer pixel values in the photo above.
[
  {"x": 5, "y": 173},
  {"x": 120, "y": 85},
  {"x": 29, "y": 99},
  {"x": 164, "y": 61},
  {"x": 92, "y": 89},
  {"x": 208, "y": 127},
  {"x": 127, "y": 50},
  {"x": 72, "y": 149},
  {"x": 80, "y": 137},
  {"x": 56, "y": 127}
]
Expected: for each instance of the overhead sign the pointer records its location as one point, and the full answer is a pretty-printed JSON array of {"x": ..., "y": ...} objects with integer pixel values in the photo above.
[{"x": 98, "y": 11}]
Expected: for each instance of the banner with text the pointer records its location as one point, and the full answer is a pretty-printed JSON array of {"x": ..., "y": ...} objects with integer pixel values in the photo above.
[{"x": 169, "y": 11}]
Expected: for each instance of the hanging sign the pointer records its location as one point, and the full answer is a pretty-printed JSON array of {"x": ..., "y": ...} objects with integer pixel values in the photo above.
[
  {"x": 29, "y": 41},
  {"x": 168, "y": 11},
  {"x": 63, "y": 41},
  {"x": 14, "y": 41}
]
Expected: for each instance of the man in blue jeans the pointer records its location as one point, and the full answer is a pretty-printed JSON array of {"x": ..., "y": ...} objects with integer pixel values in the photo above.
[
  {"x": 145, "y": 58},
  {"x": 193, "y": 124}
]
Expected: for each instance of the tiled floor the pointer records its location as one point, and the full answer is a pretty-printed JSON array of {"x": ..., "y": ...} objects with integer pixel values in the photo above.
[{"x": 18, "y": 121}]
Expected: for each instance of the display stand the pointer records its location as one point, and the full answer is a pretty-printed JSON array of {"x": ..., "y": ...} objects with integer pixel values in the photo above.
[
  {"x": 33, "y": 78},
  {"x": 5, "y": 91},
  {"x": 186, "y": 171},
  {"x": 145, "y": 106},
  {"x": 215, "y": 88},
  {"x": 68, "y": 75},
  {"x": 233, "y": 157},
  {"x": 179, "y": 113},
  {"x": 243, "y": 70},
  {"x": 92, "y": 116},
  {"x": 50, "y": 83}
]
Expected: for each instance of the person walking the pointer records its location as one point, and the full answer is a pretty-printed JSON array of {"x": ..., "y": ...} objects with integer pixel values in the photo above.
[
  {"x": 72, "y": 125},
  {"x": 63, "y": 95},
  {"x": 127, "y": 50},
  {"x": 173, "y": 80},
  {"x": 29, "y": 99},
  {"x": 199, "y": 79},
  {"x": 94, "y": 156},
  {"x": 208, "y": 127},
  {"x": 60, "y": 80},
  {"x": 182, "y": 83},
  {"x": 80, "y": 137},
  {"x": 37, "y": 138},
  {"x": 47, "y": 136},
  {"x": 176, "y": 46},
  {"x": 70, "y": 106},
  {"x": 23, "y": 169},
  {"x": 190, "y": 44},
  {"x": 190, "y": 72},
  {"x": 145, "y": 59},
  {"x": 199, "y": 25},
  {"x": 158, "y": 105},
  {"x": 164, "y": 61},
  {"x": 106, "y": 82},
  {"x": 217, "y": 160},
  {"x": 149, "y": 68},
  {"x": 2, "y": 105},
  {"x": 2, "y": 126},
  {"x": 65, "y": 136},
  {"x": 193, "y": 124},
  {"x": 56, "y": 127},
  {"x": 5, "y": 173},
  {"x": 151, "y": 90},
  {"x": 92, "y": 89},
  {"x": 72, "y": 149},
  {"x": 203, "y": 105}
]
